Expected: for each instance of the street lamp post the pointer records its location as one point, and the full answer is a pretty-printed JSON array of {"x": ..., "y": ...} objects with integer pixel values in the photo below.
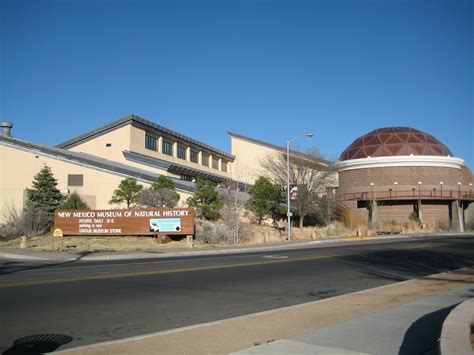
[
  {"x": 288, "y": 212},
  {"x": 441, "y": 188}
]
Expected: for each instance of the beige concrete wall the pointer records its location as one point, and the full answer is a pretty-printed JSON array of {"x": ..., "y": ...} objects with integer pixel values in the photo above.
[
  {"x": 133, "y": 139},
  {"x": 248, "y": 157},
  {"x": 118, "y": 138},
  {"x": 137, "y": 145},
  {"x": 19, "y": 168}
]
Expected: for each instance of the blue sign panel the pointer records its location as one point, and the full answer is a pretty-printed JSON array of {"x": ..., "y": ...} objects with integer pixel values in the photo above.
[{"x": 164, "y": 225}]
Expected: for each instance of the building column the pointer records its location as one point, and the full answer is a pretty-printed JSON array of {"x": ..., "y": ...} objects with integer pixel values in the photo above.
[
  {"x": 200, "y": 157},
  {"x": 175, "y": 149},
  {"x": 188, "y": 153},
  {"x": 160, "y": 145},
  {"x": 457, "y": 216}
]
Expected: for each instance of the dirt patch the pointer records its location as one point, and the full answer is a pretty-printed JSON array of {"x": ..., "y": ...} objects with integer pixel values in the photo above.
[{"x": 93, "y": 244}]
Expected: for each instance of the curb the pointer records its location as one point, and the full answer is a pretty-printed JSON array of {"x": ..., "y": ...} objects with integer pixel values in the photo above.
[
  {"x": 164, "y": 254},
  {"x": 456, "y": 330}
]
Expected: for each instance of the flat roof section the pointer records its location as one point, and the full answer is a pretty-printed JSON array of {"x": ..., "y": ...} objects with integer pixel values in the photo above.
[
  {"x": 277, "y": 147},
  {"x": 141, "y": 123}
]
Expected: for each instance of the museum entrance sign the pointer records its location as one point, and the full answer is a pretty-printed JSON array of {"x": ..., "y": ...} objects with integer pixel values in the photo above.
[{"x": 172, "y": 221}]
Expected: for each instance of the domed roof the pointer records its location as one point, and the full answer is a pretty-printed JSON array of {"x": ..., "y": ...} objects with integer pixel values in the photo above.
[{"x": 394, "y": 141}]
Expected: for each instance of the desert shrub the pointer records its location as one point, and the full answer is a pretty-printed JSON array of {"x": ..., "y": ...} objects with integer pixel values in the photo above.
[{"x": 213, "y": 233}]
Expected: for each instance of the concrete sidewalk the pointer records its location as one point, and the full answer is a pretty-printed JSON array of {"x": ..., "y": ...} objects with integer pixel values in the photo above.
[
  {"x": 411, "y": 328},
  {"x": 402, "y": 318}
]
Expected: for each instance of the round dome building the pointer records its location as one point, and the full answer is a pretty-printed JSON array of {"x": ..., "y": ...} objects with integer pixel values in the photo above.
[{"x": 394, "y": 173}]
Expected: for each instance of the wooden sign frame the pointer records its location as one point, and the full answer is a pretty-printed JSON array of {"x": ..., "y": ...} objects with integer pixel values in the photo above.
[{"x": 154, "y": 221}]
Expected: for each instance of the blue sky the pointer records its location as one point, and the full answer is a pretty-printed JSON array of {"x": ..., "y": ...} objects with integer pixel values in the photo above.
[{"x": 266, "y": 69}]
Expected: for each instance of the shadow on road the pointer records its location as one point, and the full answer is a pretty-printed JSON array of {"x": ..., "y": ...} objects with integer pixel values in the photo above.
[
  {"x": 10, "y": 267},
  {"x": 401, "y": 265},
  {"x": 37, "y": 344}
]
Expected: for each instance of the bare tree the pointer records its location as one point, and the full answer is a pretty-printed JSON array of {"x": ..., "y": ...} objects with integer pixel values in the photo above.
[
  {"x": 309, "y": 171},
  {"x": 234, "y": 196},
  {"x": 161, "y": 198}
]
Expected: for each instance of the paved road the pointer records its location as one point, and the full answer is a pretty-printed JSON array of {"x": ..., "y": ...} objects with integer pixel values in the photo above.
[{"x": 89, "y": 302}]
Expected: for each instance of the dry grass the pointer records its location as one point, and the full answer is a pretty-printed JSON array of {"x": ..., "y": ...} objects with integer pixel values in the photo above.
[
  {"x": 93, "y": 244},
  {"x": 254, "y": 235}
]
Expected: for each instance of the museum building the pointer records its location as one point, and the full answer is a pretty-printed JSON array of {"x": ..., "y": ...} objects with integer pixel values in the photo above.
[
  {"x": 94, "y": 163},
  {"x": 388, "y": 175},
  {"x": 397, "y": 173}
]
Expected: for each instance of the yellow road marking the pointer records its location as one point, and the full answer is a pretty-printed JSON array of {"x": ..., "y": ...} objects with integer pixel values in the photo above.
[
  {"x": 359, "y": 238},
  {"x": 105, "y": 276},
  {"x": 157, "y": 272}
]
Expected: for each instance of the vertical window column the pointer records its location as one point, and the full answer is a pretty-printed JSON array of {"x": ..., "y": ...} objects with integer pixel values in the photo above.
[
  {"x": 175, "y": 149},
  {"x": 188, "y": 154},
  {"x": 200, "y": 157},
  {"x": 160, "y": 144}
]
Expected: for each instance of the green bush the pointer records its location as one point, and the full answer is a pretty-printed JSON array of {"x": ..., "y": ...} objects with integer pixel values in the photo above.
[{"x": 73, "y": 202}]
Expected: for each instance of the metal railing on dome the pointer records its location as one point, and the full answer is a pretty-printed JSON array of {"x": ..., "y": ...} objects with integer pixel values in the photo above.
[{"x": 409, "y": 194}]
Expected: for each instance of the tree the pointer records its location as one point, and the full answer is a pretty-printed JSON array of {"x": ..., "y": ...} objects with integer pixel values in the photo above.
[
  {"x": 206, "y": 200},
  {"x": 309, "y": 171},
  {"x": 264, "y": 199},
  {"x": 74, "y": 202},
  {"x": 163, "y": 182},
  {"x": 45, "y": 195},
  {"x": 162, "y": 194},
  {"x": 234, "y": 196},
  {"x": 128, "y": 192}
]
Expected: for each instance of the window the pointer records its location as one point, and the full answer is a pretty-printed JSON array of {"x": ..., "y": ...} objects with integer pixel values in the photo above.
[
  {"x": 181, "y": 152},
  {"x": 75, "y": 180},
  {"x": 205, "y": 160},
  {"x": 167, "y": 148},
  {"x": 150, "y": 142},
  {"x": 215, "y": 163},
  {"x": 224, "y": 166},
  {"x": 194, "y": 156},
  {"x": 186, "y": 177}
]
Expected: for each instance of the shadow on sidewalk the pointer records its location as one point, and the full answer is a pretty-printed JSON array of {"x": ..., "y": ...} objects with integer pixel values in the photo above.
[
  {"x": 37, "y": 344},
  {"x": 422, "y": 336}
]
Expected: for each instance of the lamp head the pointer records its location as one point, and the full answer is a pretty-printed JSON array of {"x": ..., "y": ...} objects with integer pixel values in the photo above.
[{"x": 309, "y": 134}]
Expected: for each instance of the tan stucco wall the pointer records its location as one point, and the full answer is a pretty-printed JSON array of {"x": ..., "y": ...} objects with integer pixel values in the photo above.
[
  {"x": 133, "y": 139},
  {"x": 19, "y": 167},
  {"x": 248, "y": 156},
  {"x": 118, "y": 138}
]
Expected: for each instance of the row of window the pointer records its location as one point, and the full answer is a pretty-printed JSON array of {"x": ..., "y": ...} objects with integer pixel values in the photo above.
[{"x": 167, "y": 148}]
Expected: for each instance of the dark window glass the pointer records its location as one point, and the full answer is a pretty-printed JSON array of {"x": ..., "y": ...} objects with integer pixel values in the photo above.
[
  {"x": 215, "y": 163},
  {"x": 194, "y": 156},
  {"x": 224, "y": 166},
  {"x": 167, "y": 148},
  {"x": 205, "y": 160},
  {"x": 186, "y": 178},
  {"x": 75, "y": 180},
  {"x": 181, "y": 152},
  {"x": 150, "y": 142}
]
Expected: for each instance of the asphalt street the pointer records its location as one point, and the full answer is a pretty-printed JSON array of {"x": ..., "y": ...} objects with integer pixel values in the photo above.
[{"x": 79, "y": 302}]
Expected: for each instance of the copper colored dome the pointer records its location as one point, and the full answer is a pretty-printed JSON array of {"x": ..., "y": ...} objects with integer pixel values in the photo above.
[{"x": 394, "y": 141}]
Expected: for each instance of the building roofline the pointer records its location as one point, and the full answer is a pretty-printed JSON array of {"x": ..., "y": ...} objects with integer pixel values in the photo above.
[
  {"x": 92, "y": 161},
  {"x": 142, "y": 123},
  {"x": 279, "y": 148}
]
